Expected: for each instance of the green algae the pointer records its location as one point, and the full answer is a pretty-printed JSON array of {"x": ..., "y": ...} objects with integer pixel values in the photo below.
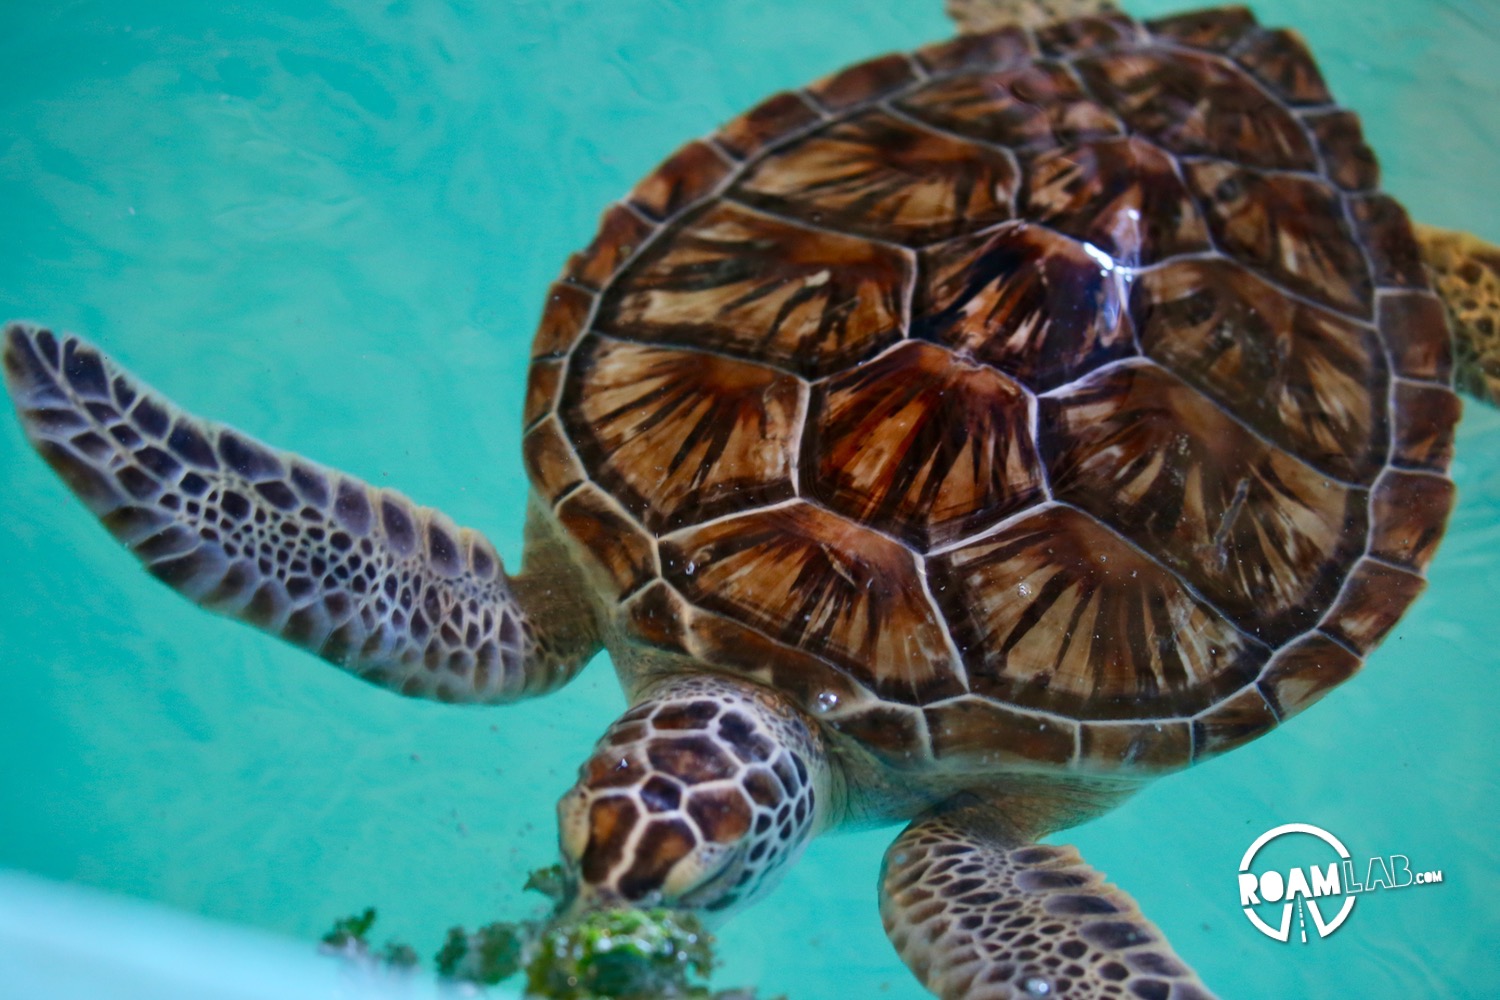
[{"x": 623, "y": 954}]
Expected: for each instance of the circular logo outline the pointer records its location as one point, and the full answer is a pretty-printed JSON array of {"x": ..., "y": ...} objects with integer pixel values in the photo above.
[{"x": 1284, "y": 933}]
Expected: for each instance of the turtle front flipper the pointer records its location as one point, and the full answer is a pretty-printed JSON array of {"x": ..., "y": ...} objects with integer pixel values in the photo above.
[
  {"x": 1466, "y": 274},
  {"x": 373, "y": 583},
  {"x": 980, "y": 912}
]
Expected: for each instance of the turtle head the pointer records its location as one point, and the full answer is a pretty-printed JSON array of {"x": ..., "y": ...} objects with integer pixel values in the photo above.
[{"x": 696, "y": 799}]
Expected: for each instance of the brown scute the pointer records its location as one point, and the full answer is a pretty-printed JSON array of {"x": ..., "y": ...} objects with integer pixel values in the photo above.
[
  {"x": 610, "y": 822},
  {"x": 1425, "y": 419},
  {"x": 990, "y": 735},
  {"x": 663, "y": 843},
  {"x": 992, "y": 50},
  {"x": 1304, "y": 672},
  {"x": 621, "y": 233},
  {"x": 1289, "y": 227},
  {"x": 657, "y": 616},
  {"x": 734, "y": 646},
  {"x": 921, "y": 444},
  {"x": 541, "y": 390},
  {"x": 685, "y": 178},
  {"x": 1409, "y": 511},
  {"x": 864, "y": 82},
  {"x": 1231, "y": 724},
  {"x": 1026, "y": 300},
  {"x": 1121, "y": 195},
  {"x": 1387, "y": 235},
  {"x": 1374, "y": 599},
  {"x": 881, "y": 176},
  {"x": 1035, "y": 105},
  {"x": 690, "y": 759},
  {"x": 1146, "y": 747},
  {"x": 1350, "y": 163},
  {"x": 739, "y": 281},
  {"x": 770, "y": 120},
  {"x": 1198, "y": 105},
  {"x": 1216, "y": 30},
  {"x": 1279, "y": 59},
  {"x": 894, "y": 733},
  {"x": 616, "y": 542},
  {"x": 1262, "y": 536},
  {"x": 1311, "y": 381},
  {"x": 1056, "y": 613},
  {"x": 821, "y": 583},
  {"x": 722, "y": 814},
  {"x": 681, "y": 436},
  {"x": 550, "y": 460},
  {"x": 1414, "y": 327},
  {"x": 563, "y": 320}
]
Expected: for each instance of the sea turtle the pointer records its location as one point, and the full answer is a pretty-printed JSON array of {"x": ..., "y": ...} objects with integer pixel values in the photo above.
[{"x": 965, "y": 439}]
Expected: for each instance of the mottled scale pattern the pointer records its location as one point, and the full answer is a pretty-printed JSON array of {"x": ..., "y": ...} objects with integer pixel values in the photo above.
[
  {"x": 359, "y": 575},
  {"x": 980, "y": 914},
  {"x": 1467, "y": 273},
  {"x": 1067, "y": 393}
]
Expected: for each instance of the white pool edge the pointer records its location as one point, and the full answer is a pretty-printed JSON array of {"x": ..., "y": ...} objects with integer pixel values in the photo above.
[{"x": 67, "y": 942}]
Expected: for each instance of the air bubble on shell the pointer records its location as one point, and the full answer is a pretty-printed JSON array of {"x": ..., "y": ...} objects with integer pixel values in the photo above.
[
  {"x": 826, "y": 701},
  {"x": 1037, "y": 986},
  {"x": 1024, "y": 590}
]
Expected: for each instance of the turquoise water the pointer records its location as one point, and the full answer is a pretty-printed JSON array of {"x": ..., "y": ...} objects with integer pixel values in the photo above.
[{"x": 333, "y": 226}]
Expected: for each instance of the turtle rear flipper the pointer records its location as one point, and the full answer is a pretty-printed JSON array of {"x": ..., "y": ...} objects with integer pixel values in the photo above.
[
  {"x": 981, "y": 912},
  {"x": 360, "y": 575},
  {"x": 1466, "y": 274},
  {"x": 975, "y": 17}
]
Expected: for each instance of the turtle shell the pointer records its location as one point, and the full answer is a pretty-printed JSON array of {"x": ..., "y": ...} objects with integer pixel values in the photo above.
[{"x": 1060, "y": 399}]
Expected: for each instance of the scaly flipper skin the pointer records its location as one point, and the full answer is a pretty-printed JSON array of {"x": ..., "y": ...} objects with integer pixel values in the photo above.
[
  {"x": 361, "y": 576},
  {"x": 974, "y": 17},
  {"x": 1466, "y": 273},
  {"x": 980, "y": 912}
]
